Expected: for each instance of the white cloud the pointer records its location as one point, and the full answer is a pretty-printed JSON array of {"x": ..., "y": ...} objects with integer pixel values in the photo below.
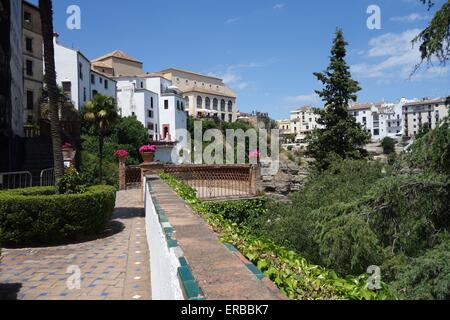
[
  {"x": 413, "y": 17},
  {"x": 232, "y": 20},
  {"x": 396, "y": 58},
  {"x": 304, "y": 98},
  {"x": 232, "y": 76},
  {"x": 279, "y": 6}
]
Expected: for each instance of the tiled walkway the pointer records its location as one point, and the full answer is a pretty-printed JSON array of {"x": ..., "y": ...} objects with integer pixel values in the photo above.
[
  {"x": 220, "y": 273},
  {"x": 112, "y": 268}
]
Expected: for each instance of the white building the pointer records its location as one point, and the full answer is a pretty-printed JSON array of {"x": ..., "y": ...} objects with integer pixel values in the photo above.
[
  {"x": 381, "y": 119},
  {"x": 77, "y": 79},
  {"x": 206, "y": 96},
  {"x": 304, "y": 122},
  {"x": 158, "y": 105},
  {"x": 424, "y": 112},
  {"x": 134, "y": 99}
]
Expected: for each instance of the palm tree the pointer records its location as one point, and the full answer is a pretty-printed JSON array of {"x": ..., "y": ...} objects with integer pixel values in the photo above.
[
  {"x": 102, "y": 112},
  {"x": 46, "y": 10}
]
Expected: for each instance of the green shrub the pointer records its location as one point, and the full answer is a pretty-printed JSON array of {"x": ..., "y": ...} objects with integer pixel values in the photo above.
[
  {"x": 388, "y": 145},
  {"x": 295, "y": 277},
  {"x": 427, "y": 277},
  {"x": 239, "y": 211},
  {"x": 37, "y": 216},
  {"x": 71, "y": 183},
  {"x": 432, "y": 151}
]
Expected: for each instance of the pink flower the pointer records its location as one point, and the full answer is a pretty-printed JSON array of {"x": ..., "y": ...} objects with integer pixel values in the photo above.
[
  {"x": 147, "y": 148},
  {"x": 120, "y": 153},
  {"x": 254, "y": 154}
]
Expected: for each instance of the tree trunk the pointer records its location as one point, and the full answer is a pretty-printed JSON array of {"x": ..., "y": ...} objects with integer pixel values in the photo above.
[
  {"x": 100, "y": 151},
  {"x": 46, "y": 11}
]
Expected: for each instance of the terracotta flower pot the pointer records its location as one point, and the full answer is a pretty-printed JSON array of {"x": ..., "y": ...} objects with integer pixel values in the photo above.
[{"x": 148, "y": 156}]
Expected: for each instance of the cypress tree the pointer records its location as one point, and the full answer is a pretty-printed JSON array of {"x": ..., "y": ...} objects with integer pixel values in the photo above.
[{"x": 340, "y": 135}]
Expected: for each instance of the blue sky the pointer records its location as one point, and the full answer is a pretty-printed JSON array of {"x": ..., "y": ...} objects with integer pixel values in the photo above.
[{"x": 266, "y": 50}]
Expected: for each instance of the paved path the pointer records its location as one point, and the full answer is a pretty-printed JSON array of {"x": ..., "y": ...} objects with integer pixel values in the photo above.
[
  {"x": 112, "y": 268},
  {"x": 220, "y": 273}
]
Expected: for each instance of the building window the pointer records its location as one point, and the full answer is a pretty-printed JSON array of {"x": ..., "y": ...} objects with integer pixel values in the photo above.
[
  {"x": 222, "y": 105},
  {"x": 182, "y": 106},
  {"x": 178, "y": 105},
  {"x": 67, "y": 87},
  {"x": 30, "y": 99},
  {"x": 142, "y": 85},
  {"x": 215, "y": 104},
  {"x": 29, "y": 68},
  {"x": 208, "y": 103},
  {"x": 29, "y": 44},
  {"x": 166, "y": 104},
  {"x": 94, "y": 93},
  {"x": 93, "y": 78},
  {"x": 27, "y": 17},
  {"x": 222, "y": 116},
  {"x": 230, "y": 118},
  {"x": 376, "y": 132},
  {"x": 101, "y": 80},
  {"x": 150, "y": 114},
  {"x": 80, "y": 70},
  {"x": 106, "y": 84},
  {"x": 84, "y": 94},
  {"x": 199, "y": 102},
  {"x": 151, "y": 102},
  {"x": 230, "y": 106}
]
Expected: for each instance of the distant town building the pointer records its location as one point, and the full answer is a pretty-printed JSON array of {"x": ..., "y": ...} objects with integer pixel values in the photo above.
[
  {"x": 32, "y": 62},
  {"x": 424, "y": 112},
  {"x": 380, "y": 119},
  {"x": 206, "y": 96},
  {"x": 304, "y": 122},
  {"x": 284, "y": 126},
  {"x": 117, "y": 64},
  {"x": 76, "y": 77},
  {"x": 254, "y": 118}
]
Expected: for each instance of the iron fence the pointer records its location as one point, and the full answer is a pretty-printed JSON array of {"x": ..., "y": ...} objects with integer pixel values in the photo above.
[
  {"x": 217, "y": 181},
  {"x": 16, "y": 180},
  {"x": 47, "y": 177},
  {"x": 133, "y": 177}
]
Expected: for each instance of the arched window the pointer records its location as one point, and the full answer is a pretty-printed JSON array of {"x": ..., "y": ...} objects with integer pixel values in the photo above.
[
  {"x": 230, "y": 106},
  {"x": 187, "y": 101},
  {"x": 178, "y": 104},
  {"x": 208, "y": 103},
  {"x": 222, "y": 105},
  {"x": 215, "y": 104},
  {"x": 199, "y": 102}
]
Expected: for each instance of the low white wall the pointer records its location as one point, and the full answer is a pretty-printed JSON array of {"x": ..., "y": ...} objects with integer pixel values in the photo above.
[{"x": 164, "y": 262}]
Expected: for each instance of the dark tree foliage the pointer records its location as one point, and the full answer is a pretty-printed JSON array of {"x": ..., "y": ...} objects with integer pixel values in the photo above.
[
  {"x": 434, "y": 41},
  {"x": 342, "y": 136}
]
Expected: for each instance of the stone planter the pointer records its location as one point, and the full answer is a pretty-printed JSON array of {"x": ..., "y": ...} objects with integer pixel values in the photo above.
[{"x": 148, "y": 157}]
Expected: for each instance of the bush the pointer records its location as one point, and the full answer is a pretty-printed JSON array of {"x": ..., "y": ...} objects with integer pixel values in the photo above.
[
  {"x": 427, "y": 277},
  {"x": 71, "y": 183},
  {"x": 294, "y": 275},
  {"x": 388, "y": 145},
  {"x": 239, "y": 211},
  {"x": 432, "y": 152},
  {"x": 38, "y": 216}
]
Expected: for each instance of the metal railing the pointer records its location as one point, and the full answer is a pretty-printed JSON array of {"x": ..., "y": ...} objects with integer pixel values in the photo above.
[
  {"x": 16, "y": 180},
  {"x": 133, "y": 177},
  {"x": 217, "y": 181},
  {"x": 47, "y": 177}
]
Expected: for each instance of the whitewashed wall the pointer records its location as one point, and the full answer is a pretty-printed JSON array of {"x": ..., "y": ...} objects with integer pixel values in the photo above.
[{"x": 164, "y": 262}]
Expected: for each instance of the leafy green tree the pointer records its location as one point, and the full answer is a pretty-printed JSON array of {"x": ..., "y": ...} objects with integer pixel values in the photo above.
[
  {"x": 102, "y": 112},
  {"x": 388, "y": 145},
  {"x": 341, "y": 136},
  {"x": 434, "y": 41}
]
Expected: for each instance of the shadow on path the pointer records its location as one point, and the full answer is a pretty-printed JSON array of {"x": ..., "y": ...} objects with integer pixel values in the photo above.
[{"x": 9, "y": 291}]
